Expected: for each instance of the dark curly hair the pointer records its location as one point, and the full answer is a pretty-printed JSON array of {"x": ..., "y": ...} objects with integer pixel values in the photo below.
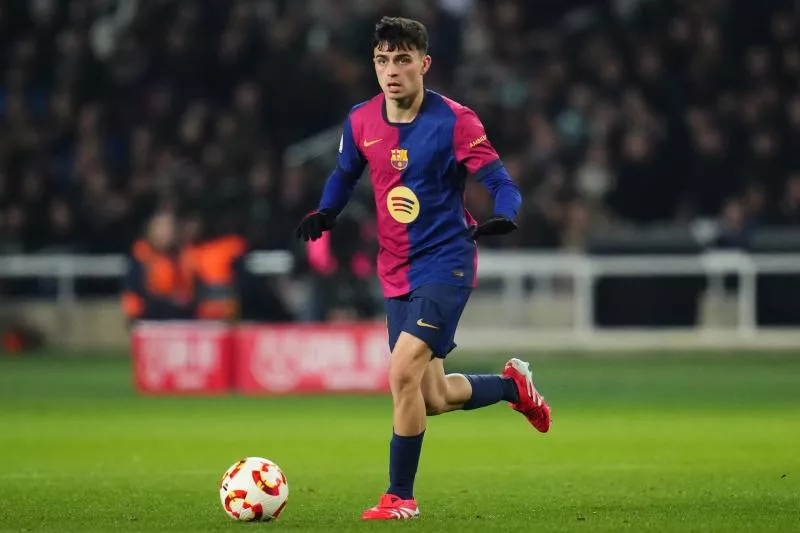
[{"x": 400, "y": 33}]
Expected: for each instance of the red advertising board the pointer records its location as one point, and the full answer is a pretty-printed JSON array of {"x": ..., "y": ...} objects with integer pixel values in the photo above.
[
  {"x": 311, "y": 358},
  {"x": 182, "y": 357}
]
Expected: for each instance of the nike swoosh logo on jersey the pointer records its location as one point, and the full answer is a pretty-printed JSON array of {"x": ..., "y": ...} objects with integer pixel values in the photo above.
[
  {"x": 367, "y": 143},
  {"x": 426, "y": 325}
]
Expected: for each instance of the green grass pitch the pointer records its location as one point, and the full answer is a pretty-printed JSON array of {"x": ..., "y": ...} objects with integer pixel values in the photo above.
[{"x": 682, "y": 442}]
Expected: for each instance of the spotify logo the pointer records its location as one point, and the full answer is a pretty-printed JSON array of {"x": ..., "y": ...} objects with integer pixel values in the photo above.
[{"x": 403, "y": 205}]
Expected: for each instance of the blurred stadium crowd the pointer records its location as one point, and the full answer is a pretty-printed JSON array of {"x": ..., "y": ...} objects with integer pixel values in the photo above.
[{"x": 606, "y": 112}]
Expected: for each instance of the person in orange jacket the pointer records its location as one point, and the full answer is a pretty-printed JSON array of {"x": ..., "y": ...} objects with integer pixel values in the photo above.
[
  {"x": 156, "y": 284},
  {"x": 216, "y": 267}
]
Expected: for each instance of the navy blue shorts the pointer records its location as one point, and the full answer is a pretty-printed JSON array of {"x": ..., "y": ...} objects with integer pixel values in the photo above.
[{"x": 430, "y": 313}]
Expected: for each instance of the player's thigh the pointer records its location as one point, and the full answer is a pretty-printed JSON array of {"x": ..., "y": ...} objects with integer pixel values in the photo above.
[
  {"x": 433, "y": 315},
  {"x": 409, "y": 354},
  {"x": 396, "y": 313},
  {"x": 409, "y": 361}
]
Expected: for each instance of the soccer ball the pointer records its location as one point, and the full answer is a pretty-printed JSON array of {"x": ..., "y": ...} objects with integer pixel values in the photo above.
[{"x": 253, "y": 489}]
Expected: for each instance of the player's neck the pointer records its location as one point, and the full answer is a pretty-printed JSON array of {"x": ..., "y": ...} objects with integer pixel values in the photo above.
[{"x": 404, "y": 110}]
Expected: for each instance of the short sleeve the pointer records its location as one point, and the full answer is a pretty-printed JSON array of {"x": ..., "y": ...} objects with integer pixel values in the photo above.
[
  {"x": 350, "y": 161},
  {"x": 472, "y": 146}
]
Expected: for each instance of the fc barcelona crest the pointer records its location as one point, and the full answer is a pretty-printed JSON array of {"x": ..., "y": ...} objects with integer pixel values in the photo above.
[{"x": 399, "y": 158}]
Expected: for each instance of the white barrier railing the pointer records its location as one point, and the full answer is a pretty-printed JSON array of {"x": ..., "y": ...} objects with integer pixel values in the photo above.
[
  {"x": 65, "y": 269},
  {"x": 512, "y": 267},
  {"x": 515, "y": 267}
]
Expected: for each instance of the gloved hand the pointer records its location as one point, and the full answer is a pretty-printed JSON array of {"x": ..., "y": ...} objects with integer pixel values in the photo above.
[
  {"x": 314, "y": 224},
  {"x": 497, "y": 225}
]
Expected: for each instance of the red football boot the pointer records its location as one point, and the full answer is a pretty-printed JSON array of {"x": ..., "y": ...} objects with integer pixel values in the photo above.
[
  {"x": 391, "y": 507},
  {"x": 531, "y": 403}
]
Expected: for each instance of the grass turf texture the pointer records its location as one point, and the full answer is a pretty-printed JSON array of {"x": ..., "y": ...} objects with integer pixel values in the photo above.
[{"x": 686, "y": 442}]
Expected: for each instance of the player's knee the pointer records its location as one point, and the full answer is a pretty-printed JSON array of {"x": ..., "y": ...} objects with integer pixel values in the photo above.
[{"x": 402, "y": 379}]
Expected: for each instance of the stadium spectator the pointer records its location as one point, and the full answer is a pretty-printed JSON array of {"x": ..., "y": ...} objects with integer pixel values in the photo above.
[
  {"x": 156, "y": 285},
  {"x": 216, "y": 269}
]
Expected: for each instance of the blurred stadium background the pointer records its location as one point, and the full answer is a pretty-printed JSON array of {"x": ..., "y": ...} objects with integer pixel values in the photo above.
[
  {"x": 655, "y": 143},
  {"x": 156, "y": 155}
]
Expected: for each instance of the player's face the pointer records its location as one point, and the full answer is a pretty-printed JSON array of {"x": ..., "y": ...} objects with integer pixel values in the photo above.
[{"x": 400, "y": 71}]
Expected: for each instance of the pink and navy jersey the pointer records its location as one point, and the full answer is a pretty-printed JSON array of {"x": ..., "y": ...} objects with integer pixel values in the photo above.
[{"x": 418, "y": 172}]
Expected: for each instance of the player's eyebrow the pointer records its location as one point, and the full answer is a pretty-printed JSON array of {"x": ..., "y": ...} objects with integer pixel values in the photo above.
[{"x": 398, "y": 56}]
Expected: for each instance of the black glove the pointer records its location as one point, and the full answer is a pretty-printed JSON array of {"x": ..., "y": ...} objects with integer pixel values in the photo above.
[
  {"x": 497, "y": 225},
  {"x": 313, "y": 224}
]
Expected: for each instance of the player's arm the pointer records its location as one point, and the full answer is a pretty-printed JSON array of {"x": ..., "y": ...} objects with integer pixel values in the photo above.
[
  {"x": 338, "y": 188},
  {"x": 475, "y": 152}
]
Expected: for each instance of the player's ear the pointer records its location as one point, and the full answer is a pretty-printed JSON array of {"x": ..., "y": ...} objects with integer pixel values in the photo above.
[{"x": 426, "y": 64}]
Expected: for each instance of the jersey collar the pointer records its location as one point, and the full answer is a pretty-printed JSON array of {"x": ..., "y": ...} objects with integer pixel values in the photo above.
[{"x": 425, "y": 98}]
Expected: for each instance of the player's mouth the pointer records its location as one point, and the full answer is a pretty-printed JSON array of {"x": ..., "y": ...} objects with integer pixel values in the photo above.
[{"x": 393, "y": 86}]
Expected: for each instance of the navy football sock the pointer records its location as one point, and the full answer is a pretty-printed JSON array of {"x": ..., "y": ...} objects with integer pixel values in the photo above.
[
  {"x": 490, "y": 389},
  {"x": 403, "y": 462}
]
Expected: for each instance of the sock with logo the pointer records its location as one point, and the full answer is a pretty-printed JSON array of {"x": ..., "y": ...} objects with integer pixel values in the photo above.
[
  {"x": 489, "y": 389},
  {"x": 404, "y": 455}
]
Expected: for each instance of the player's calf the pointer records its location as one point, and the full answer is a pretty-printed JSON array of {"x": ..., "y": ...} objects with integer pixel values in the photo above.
[
  {"x": 444, "y": 393},
  {"x": 489, "y": 389},
  {"x": 436, "y": 406},
  {"x": 467, "y": 392}
]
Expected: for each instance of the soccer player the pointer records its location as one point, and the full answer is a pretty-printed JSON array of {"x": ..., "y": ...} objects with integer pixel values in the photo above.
[{"x": 420, "y": 147}]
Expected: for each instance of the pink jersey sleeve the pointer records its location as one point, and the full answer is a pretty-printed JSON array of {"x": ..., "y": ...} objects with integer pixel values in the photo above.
[{"x": 472, "y": 147}]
